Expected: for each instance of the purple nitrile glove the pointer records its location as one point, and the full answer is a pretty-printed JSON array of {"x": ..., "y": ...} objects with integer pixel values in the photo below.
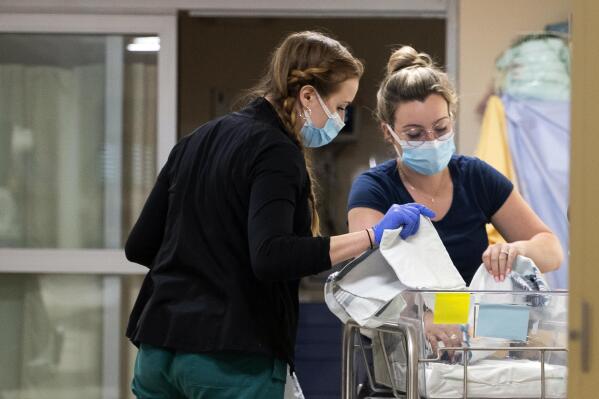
[{"x": 407, "y": 215}]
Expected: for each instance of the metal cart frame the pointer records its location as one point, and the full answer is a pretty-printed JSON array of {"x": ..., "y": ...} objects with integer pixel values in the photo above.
[{"x": 410, "y": 339}]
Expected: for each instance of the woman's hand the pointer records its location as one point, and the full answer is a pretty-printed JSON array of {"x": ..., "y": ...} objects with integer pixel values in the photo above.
[
  {"x": 499, "y": 259},
  {"x": 449, "y": 334},
  {"x": 350, "y": 245},
  {"x": 527, "y": 235},
  {"x": 406, "y": 216}
]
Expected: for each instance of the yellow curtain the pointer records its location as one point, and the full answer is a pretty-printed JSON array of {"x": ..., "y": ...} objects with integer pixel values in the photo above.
[{"x": 493, "y": 148}]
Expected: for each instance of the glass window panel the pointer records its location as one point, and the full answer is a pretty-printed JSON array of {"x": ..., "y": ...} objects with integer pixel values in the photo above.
[
  {"x": 62, "y": 336},
  {"x": 52, "y": 336},
  {"x": 77, "y": 138}
]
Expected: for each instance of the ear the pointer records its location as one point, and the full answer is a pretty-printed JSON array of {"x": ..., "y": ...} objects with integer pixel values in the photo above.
[
  {"x": 386, "y": 134},
  {"x": 306, "y": 96},
  {"x": 388, "y": 138}
]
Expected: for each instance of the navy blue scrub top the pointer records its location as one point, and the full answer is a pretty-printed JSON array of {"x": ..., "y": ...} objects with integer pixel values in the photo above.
[{"x": 479, "y": 191}]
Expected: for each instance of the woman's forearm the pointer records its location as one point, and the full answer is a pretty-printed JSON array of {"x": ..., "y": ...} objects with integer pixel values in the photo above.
[
  {"x": 347, "y": 246},
  {"x": 544, "y": 249}
]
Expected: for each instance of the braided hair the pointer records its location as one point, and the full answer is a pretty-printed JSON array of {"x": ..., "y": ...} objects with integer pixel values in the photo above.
[{"x": 305, "y": 58}]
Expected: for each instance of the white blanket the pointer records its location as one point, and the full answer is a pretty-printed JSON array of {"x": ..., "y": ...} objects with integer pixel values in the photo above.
[{"x": 496, "y": 379}]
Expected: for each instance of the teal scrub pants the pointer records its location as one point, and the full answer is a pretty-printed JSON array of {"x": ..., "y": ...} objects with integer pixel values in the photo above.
[{"x": 164, "y": 374}]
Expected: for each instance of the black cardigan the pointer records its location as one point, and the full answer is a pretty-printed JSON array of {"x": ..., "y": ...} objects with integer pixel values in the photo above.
[{"x": 226, "y": 235}]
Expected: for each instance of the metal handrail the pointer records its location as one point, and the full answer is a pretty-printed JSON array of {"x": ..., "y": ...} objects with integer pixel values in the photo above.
[
  {"x": 410, "y": 338},
  {"x": 347, "y": 377}
]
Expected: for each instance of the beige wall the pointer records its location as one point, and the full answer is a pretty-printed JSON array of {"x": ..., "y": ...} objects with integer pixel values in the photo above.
[
  {"x": 229, "y": 54},
  {"x": 486, "y": 28}
]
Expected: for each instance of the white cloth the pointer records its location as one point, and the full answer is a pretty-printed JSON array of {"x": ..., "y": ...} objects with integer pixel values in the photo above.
[
  {"x": 421, "y": 260},
  {"x": 292, "y": 387},
  {"x": 496, "y": 379},
  {"x": 484, "y": 281},
  {"x": 370, "y": 286},
  {"x": 364, "y": 290}
]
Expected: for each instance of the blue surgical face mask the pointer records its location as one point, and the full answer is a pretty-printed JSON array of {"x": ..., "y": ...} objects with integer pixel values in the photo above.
[
  {"x": 430, "y": 157},
  {"x": 319, "y": 136}
]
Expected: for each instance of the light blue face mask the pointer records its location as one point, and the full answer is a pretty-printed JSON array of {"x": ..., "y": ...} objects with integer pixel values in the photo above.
[
  {"x": 319, "y": 136},
  {"x": 429, "y": 158}
]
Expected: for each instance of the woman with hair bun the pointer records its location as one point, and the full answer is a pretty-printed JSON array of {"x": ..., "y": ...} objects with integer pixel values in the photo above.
[
  {"x": 416, "y": 108},
  {"x": 231, "y": 226}
]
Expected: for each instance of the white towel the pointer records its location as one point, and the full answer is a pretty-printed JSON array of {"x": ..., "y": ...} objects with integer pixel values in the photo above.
[
  {"x": 370, "y": 284},
  {"x": 366, "y": 289},
  {"x": 421, "y": 261},
  {"x": 495, "y": 379}
]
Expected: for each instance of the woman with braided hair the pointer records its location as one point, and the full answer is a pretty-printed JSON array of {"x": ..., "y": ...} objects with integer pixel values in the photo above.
[{"x": 231, "y": 226}]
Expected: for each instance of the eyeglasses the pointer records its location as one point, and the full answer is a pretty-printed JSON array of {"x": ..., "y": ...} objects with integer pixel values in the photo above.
[{"x": 417, "y": 136}]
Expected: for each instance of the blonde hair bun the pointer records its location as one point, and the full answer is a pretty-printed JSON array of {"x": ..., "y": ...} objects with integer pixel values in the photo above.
[
  {"x": 411, "y": 76},
  {"x": 406, "y": 57}
]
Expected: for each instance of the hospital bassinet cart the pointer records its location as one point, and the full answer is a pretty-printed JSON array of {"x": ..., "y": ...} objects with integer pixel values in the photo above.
[{"x": 513, "y": 346}]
